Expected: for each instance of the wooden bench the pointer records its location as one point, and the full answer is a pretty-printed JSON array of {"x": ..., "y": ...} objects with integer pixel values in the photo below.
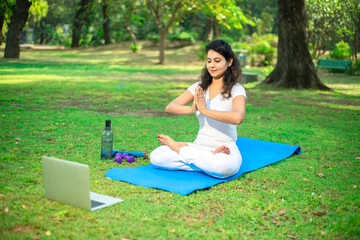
[{"x": 334, "y": 64}]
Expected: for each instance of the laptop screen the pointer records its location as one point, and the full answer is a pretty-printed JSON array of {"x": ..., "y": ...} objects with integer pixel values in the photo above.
[{"x": 67, "y": 182}]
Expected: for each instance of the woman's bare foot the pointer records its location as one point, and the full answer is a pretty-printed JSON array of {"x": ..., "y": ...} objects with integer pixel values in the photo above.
[
  {"x": 168, "y": 141},
  {"x": 221, "y": 149}
]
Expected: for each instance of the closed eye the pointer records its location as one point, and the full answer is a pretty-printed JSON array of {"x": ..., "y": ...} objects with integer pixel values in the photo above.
[{"x": 217, "y": 60}]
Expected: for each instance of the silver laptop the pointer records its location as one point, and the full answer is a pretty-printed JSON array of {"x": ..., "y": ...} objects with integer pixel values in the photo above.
[{"x": 69, "y": 182}]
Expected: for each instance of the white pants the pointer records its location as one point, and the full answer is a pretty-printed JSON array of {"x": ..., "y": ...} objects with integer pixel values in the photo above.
[{"x": 198, "y": 158}]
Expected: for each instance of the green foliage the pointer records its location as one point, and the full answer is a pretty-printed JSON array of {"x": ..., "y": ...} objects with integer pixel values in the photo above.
[
  {"x": 355, "y": 68},
  {"x": 349, "y": 19},
  {"x": 56, "y": 14},
  {"x": 331, "y": 21},
  {"x": 260, "y": 44},
  {"x": 263, "y": 13},
  {"x": 241, "y": 45},
  {"x": 59, "y": 37},
  {"x": 263, "y": 45},
  {"x": 227, "y": 38},
  {"x": 153, "y": 37},
  {"x": 342, "y": 51},
  {"x": 252, "y": 61},
  {"x": 265, "y": 23},
  {"x": 200, "y": 53},
  {"x": 324, "y": 13},
  {"x": 183, "y": 36},
  {"x": 227, "y": 13},
  {"x": 268, "y": 69},
  {"x": 38, "y": 10},
  {"x": 134, "y": 48}
]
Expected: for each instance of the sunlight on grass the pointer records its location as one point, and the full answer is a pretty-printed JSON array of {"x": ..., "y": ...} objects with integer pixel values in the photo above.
[
  {"x": 340, "y": 106},
  {"x": 348, "y": 89},
  {"x": 34, "y": 78}
]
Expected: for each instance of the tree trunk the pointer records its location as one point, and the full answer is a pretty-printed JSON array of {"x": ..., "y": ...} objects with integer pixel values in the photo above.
[
  {"x": 356, "y": 39},
  {"x": 42, "y": 30},
  {"x": 158, "y": 10},
  {"x": 355, "y": 45},
  {"x": 209, "y": 29},
  {"x": 294, "y": 68},
  {"x": 162, "y": 37},
  {"x": 131, "y": 33},
  {"x": 2, "y": 19},
  {"x": 313, "y": 42},
  {"x": 274, "y": 28},
  {"x": 79, "y": 22},
  {"x": 106, "y": 30},
  {"x": 127, "y": 25},
  {"x": 319, "y": 45},
  {"x": 327, "y": 43},
  {"x": 217, "y": 29},
  {"x": 1, "y": 27},
  {"x": 17, "y": 24}
]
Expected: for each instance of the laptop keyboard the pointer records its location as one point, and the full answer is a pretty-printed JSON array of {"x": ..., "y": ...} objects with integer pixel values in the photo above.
[{"x": 96, "y": 203}]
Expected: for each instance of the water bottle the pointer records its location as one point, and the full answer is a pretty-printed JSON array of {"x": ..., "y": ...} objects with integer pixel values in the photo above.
[{"x": 107, "y": 141}]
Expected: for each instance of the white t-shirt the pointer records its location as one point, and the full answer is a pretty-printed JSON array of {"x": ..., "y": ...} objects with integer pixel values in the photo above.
[{"x": 213, "y": 133}]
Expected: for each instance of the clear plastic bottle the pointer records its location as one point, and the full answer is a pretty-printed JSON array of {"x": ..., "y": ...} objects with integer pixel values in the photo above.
[{"x": 107, "y": 141}]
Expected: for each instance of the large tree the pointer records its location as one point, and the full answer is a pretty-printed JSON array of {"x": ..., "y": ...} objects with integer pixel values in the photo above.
[
  {"x": 80, "y": 17},
  {"x": 17, "y": 24},
  {"x": 105, "y": 12},
  {"x": 2, "y": 18},
  {"x": 294, "y": 67}
]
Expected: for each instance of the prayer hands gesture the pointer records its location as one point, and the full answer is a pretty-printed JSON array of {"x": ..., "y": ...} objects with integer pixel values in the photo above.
[
  {"x": 179, "y": 106},
  {"x": 199, "y": 99}
]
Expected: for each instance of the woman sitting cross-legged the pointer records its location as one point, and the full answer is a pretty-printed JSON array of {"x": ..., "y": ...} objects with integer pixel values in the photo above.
[{"x": 219, "y": 102}]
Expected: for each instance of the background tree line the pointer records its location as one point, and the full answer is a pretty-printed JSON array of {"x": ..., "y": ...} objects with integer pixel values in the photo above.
[{"x": 99, "y": 22}]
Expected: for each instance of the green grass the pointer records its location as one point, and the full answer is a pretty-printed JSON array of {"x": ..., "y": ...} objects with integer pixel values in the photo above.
[{"x": 55, "y": 103}]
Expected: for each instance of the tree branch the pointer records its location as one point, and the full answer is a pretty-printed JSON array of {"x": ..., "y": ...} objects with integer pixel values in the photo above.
[
  {"x": 155, "y": 12},
  {"x": 178, "y": 5}
]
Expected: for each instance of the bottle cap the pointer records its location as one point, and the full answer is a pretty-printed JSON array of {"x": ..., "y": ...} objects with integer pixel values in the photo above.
[{"x": 108, "y": 123}]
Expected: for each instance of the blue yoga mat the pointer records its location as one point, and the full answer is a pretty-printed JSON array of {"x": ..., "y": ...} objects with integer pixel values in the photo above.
[{"x": 255, "y": 153}]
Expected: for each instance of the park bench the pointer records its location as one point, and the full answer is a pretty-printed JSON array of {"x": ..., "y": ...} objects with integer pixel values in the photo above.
[{"x": 334, "y": 64}]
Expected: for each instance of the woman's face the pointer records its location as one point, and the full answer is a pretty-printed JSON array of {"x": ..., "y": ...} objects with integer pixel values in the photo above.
[{"x": 216, "y": 64}]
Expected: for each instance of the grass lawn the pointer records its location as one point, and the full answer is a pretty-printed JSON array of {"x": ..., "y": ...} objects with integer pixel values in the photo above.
[{"x": 55, "y": 103}]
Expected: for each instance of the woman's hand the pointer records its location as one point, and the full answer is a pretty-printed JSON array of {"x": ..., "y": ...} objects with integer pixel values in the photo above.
[
  {"x": 179, "y": 105},
  {"x": 193, "y": 107},
  {"x": 235, "y": 116},
  {"x": 199, "y": 99}
]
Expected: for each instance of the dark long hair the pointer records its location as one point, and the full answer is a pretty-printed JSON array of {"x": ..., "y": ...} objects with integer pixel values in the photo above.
[{"x": 232, "y": 74}]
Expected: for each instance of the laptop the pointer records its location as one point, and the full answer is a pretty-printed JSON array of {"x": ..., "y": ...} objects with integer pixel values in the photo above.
[{"x": 69, "y": 182}]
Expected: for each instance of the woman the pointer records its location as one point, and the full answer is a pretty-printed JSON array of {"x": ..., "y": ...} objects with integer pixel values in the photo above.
[{"x": 219, "y": 103}]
